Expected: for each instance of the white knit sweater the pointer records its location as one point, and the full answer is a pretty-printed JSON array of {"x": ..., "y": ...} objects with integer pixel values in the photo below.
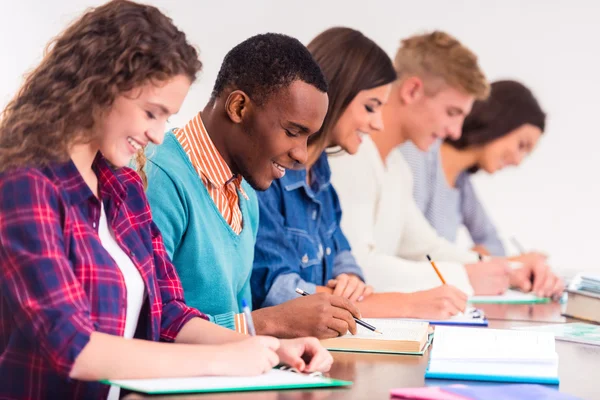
[{"x": 389, "y": 235}]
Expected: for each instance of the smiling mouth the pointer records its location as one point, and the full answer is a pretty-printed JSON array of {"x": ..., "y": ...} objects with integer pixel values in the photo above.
[
  {"x": 135, "y": 144},
  {"x": 280, "y": 168}
]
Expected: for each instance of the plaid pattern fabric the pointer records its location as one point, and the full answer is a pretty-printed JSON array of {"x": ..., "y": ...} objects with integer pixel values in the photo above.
[{"x": 58, "y": 283}]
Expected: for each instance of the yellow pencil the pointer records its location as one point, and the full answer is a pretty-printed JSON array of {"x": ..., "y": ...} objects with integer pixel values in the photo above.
[{"x": 437, "y": 271}]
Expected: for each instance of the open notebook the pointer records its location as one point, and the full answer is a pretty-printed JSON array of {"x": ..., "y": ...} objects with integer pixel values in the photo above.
[
  {"x": 493, "y": 355},
  {"x": 398, "y": 336},
  {"x": 577, "y": 332},
  {"x": 272, "y": 380},
  {"x": 509, "y": 297}
]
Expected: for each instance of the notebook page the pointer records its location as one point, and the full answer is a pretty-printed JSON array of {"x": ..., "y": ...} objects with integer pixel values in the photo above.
[
  {"x": 391, "y": 329},
  {"x": 492, "y": 344},
  {"x": 272, "y": 378}
]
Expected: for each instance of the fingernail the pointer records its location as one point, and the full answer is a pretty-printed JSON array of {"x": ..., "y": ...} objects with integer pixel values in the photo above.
[{"x": 360, "y": 298}]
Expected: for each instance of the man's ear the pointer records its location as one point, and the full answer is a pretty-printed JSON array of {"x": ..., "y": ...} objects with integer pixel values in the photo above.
[
  {"x": 411, "y": 90},
  {"x": 237, "y": 104}
]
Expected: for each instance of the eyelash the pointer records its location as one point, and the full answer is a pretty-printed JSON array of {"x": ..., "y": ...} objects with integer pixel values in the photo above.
[
  {"x": 290, "y": 134},
  {"x": 150, "y": 115},
  {"x": 369, "y": 109}
]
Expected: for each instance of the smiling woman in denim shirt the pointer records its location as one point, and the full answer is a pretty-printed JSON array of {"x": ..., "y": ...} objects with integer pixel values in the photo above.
[{"x": 300, "y": 243}]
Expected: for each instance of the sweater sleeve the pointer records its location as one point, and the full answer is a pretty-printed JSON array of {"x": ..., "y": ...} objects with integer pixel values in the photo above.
[
  {"x": 360, "y": 193},
  {"x": 419, "y": 237},
  {"x": 480, "y": 226}
]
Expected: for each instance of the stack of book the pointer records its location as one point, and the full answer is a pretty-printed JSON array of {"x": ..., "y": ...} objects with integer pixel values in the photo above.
[{"x": 584, "y": 298}]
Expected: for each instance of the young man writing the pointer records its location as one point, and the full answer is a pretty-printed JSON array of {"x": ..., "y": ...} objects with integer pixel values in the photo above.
[
  {"x": 438, "y": 81},
  {"x": 269, "y": 97}
]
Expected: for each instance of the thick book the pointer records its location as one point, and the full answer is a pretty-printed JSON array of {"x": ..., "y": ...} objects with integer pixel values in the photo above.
[
  {"x": 583, "y": 304},
  {"x": 477, "y": 354},
  {"x": 397, "y": 336},
  {"x": 273, "y": 380}
]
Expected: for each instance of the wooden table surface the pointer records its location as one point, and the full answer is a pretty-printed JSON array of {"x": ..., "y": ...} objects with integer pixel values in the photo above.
[{"x": 375, "y": 374}]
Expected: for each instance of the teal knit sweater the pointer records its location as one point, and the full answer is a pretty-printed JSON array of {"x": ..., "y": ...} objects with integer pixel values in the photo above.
[{"x": 213, "y": 262}]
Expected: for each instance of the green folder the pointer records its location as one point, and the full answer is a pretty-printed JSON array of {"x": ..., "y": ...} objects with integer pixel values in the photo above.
[
  {"x": 273, "y": 380},
  {"x": 510, "y": 297}
]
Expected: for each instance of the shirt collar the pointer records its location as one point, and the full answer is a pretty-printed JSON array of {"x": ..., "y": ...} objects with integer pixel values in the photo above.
[
  {"x": 205, "y": 156},
  {"x": 321, "y": 176}
]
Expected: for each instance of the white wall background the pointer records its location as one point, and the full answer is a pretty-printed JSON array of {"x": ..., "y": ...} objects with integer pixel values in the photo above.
[{"x": 551, "y": 202}]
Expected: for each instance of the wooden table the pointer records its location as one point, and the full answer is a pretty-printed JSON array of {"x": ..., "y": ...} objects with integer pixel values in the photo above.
[{"x": 375, "y": 374}]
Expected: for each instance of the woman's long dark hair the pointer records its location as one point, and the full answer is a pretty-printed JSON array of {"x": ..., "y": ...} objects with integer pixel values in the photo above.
[
  {"x": 351, "y": 63},
  {"x": 509, "y": 106}
]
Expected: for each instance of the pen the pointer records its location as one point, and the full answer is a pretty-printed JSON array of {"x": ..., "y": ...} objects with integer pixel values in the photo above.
[
  {"x": 249, "y": 321},
  {"x": 437, "y": 271},
  {"x": 358, "y": 321},
  {"x": 522, "y": 251}
]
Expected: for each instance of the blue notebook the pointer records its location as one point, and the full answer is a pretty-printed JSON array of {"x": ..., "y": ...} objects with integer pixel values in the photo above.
[
  {"x": 494, "y": 355},
  {"x": 471, "y": 317},
  {"x": 508, "y": 392}
]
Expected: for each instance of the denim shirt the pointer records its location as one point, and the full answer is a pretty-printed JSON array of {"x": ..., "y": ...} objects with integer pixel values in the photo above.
[{"x": 300, "y": 242}]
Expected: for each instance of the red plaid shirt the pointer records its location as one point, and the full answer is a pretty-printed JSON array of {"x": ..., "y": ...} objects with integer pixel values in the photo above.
[{"x": 58, "y": 283}]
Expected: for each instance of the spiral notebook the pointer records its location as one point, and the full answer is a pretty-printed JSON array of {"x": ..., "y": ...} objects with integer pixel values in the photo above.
[
  {"x": 273, "y": 380},
  {"x": 471, "y": 317}
]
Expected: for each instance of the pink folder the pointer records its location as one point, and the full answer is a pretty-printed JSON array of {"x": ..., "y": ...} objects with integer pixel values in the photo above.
[{"x": 425, "y": 393}]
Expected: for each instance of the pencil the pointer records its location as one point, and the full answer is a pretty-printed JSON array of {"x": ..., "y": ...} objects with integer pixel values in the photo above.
[
  {"x": 518, "y": 245},
  {"x": 358, "y": 321},
  {"x": 437, "y": 271}
]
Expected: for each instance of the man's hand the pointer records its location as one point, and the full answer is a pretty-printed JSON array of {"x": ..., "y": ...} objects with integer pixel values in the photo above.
[
  {"x": 536, "y": 270},
  {"x": 489, "y": 277},
  {"x": 321, "y": 315},
  {"x": 349, "y": 286}
]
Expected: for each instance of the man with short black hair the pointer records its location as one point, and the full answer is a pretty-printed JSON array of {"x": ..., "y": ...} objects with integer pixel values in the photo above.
[{"x": 269, "y": 97}]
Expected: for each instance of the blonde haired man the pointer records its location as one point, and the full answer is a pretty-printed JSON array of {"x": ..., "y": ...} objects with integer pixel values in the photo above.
[{"x": 438, "y": 81}]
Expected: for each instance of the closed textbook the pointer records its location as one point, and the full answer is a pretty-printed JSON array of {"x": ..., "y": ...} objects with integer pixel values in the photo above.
[
  {"x": 398, "y": 336},
  {"x": 584, "y": 298},
  {"x": 493, "y": 355}
]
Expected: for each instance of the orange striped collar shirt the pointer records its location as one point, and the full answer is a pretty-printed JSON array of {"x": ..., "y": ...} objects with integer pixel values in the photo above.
[{"x": 221, "y": 183}]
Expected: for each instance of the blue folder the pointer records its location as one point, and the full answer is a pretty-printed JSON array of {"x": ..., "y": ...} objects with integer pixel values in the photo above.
[{"x": 490, "y": 378}]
